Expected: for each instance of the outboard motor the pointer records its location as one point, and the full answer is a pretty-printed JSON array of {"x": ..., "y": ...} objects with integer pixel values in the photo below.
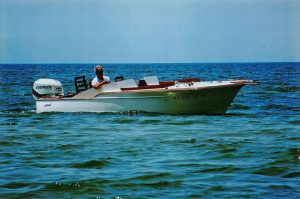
[{"x": 47, "y": 88}]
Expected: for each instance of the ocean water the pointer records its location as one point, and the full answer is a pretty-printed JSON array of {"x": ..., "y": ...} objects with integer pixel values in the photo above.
[{"x": 253, "y": 151}]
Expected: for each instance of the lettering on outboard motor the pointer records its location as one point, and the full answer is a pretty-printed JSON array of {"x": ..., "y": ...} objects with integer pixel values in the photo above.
[{"x": 44, "y": 87}]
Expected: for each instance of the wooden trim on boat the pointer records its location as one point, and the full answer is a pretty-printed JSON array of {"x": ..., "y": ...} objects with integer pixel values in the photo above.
[{"x": 165, "y": 89}]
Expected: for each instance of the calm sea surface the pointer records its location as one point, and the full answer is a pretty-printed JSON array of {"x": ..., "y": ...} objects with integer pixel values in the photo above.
[{"x": 253, "y": 151}]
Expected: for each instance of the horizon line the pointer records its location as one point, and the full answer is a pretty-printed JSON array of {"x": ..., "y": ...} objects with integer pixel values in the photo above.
[{"x": 237, "y": 62}]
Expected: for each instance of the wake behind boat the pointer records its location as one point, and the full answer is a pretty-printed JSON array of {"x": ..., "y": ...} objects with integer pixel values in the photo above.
[{"x": 187, "y": 96}]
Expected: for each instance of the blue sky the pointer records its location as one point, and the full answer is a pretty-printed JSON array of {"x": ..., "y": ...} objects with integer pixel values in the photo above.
[{"x": 141, "y": 31}]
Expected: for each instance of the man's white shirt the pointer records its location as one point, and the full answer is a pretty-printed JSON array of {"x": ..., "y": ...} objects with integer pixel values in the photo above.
[{"x": 96, "y": 80}]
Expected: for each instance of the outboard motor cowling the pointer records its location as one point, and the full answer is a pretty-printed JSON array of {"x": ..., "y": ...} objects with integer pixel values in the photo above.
[{"x": 47, "y": 88}]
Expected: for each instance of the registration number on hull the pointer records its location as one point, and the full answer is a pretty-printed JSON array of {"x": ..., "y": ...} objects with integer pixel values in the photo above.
[{"x": 188, "y": 97}]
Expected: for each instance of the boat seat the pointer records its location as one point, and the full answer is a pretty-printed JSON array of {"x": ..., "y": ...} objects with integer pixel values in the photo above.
[
  {"x": 119, "y": 78},
  {"x": 90, "y": 83},
  {"x": 151, "y": 80},
  {"x": 142, "y": 83},
  {"x": 80, "y": 84}
]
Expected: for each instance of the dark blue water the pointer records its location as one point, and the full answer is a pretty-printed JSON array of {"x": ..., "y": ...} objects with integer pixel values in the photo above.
[{"x": 253, "y": 151}]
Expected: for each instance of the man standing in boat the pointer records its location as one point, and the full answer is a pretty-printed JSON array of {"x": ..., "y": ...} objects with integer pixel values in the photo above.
[{"x": 99, "y": 80}]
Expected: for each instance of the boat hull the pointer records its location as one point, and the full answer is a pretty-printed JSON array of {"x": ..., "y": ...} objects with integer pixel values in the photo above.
[{"x": 212, "y": 100}]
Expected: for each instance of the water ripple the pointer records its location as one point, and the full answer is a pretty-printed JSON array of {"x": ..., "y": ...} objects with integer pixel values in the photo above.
[
  {"x": 91, "y": 164},
  {"x": 252, "y": 151}
]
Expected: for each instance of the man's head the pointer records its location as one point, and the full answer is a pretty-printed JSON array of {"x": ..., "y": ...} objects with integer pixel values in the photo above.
[{"x": 99, "y": 71}]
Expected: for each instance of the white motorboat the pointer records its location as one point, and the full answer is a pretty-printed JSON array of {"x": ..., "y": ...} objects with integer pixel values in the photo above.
[{"x": 188, "y": 96}]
